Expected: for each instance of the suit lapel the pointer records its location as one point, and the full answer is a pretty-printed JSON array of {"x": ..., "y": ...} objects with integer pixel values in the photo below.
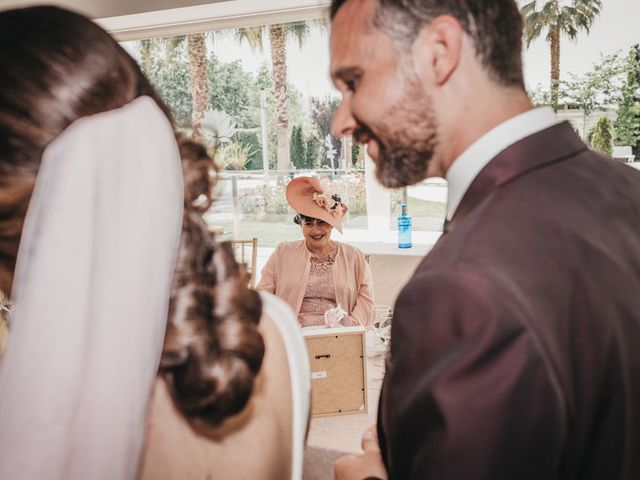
[{"x": 548, "y": 146}]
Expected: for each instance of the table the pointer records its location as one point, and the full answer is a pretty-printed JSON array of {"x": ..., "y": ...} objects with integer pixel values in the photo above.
[
  {"x": 386, "y": 242},
  {"x": 391, "y": 267},
  {"x": 334, "y": 436}
]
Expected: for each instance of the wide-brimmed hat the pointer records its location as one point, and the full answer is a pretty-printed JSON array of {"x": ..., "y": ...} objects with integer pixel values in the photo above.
[{"x": 307, "y": 197}]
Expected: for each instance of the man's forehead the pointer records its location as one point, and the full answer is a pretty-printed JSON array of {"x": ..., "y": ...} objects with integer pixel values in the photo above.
[
  {"x": 350, "y": 28},
  {"x": 355, "y": 14}
]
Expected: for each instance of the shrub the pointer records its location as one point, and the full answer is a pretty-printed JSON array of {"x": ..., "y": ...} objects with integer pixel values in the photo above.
[
  {"x": 264, "y": 200},
  {"x": 602, "y": 140},
  {"x": 234, "y": 155}
]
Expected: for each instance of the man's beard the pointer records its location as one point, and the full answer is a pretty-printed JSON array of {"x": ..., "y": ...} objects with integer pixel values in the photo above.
[{"x": 406, "y": 140}]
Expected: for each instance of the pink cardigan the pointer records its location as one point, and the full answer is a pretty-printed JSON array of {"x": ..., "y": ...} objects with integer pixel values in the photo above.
[{"x": 287, "y": 272}]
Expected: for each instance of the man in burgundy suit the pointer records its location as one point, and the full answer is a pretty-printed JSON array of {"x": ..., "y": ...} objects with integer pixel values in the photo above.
[{"x": 516, "y": 344}]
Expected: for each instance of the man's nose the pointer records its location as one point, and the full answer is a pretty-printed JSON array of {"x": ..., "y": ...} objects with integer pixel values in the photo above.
[{"x": 344, "y": 122}]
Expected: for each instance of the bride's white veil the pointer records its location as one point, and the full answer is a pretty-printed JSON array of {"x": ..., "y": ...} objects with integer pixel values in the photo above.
[{"x": 90, "y": 295}]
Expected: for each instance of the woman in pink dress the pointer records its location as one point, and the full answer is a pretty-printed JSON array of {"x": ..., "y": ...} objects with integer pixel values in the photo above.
[{"x": 318, "y": 274}]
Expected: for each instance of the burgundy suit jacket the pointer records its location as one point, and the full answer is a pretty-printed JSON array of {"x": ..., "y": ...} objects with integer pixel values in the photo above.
[{"x": 516, "y": 344}]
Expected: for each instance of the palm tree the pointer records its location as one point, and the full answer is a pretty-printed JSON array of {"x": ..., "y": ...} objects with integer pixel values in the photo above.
[
  {"x": 198, "y": 62},
  {"x": 557, "y": 19},
  {"x": 278, "y": 35}
]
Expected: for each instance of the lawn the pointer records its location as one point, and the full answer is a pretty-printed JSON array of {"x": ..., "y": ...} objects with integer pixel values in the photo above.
[{"x": 273, "y": 229}]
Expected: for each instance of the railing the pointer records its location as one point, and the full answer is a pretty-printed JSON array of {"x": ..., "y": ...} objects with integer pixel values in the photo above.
[{"x": 249, "y": 206}]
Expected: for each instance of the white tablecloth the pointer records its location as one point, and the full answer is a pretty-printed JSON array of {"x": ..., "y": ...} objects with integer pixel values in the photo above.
[{"x": 334, "y": 436}]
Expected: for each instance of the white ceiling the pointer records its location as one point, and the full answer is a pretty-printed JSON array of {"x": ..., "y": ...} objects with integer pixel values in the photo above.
[{"x": 113, "y": 8}]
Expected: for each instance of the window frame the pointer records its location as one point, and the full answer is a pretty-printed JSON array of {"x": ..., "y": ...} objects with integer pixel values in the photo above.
[{"x": 213, "y": 16}]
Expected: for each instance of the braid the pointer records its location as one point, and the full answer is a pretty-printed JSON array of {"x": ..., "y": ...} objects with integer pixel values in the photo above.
[{"x": 212, "y": 349}]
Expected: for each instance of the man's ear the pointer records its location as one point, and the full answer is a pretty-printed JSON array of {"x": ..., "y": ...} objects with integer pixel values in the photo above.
[{"x": 436, "y": 49}]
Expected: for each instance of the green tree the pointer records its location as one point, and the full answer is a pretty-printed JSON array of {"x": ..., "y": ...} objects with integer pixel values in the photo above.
[
  {"x": 198, "y": 62},
  {"x": 278, "y": 35},
  {"x": 555, "y": 19},
  {"x": 298, "y": 148},
  {"x": 355, "y": 154},
  {"x": 234, "y": 156},
  {"x": 322, "y": 112},
  {"x": 627, "y": 124},
  {"x": 597, "y": 88},
  {"x": 539, "y": 96},
  {"x": 174, "y": 59},
  {"x": 602, "y": 139},
  {"x": 230, "y": 89},
  {"x": 315, "y": 151},
  {"x": 167, "y": 68}
]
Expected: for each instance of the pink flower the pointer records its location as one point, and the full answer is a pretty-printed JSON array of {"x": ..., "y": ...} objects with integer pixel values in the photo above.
[{"x": 320, "y": 199}]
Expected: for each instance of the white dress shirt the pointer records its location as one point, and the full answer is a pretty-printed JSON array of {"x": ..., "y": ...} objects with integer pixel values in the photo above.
[{"x": 466, "y": 167}]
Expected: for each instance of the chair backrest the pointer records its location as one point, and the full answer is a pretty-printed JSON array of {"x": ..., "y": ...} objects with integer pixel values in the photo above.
[{"x": 246, "y": 252}]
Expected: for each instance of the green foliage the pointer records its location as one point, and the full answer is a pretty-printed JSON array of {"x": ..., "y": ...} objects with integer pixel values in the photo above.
[
  {"x": 298, "y": 149},
  {"x": 539, "y": 96},
  {"x": 555, "y": 19},
  {"x": 264, "y": 81},
  {"x": 252, "y": 140},
  {"x": 230, "y": 90},
  {"x": 322, "y": 112},
  {"x": 355, "y": 153},
  {"x": 315, "y": 151},
  {"x": 602, "y": 140},
  {"x": 351, "y": 189},
  {"x": 627, "y": 124},
  {"x": 270, "y": 200},
  {"x": 264, "y": 200},
  {"x": 567, "y": 17},
  {"x": 298, "y": 30},
  {"x": 597, "y": 88},
  {"x": 590, "y": 135},
  {"x": 166, "y": 64},
  {"x": 234, "y": 156}
]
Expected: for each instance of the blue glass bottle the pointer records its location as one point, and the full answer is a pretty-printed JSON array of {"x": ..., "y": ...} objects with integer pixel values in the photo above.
[{"x": 404, "y": 228}]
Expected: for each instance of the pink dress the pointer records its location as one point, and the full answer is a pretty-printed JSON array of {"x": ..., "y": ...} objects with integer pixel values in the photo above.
[
  {"x": 320, "y": 294},
  {"x": 286, "y": 275}
]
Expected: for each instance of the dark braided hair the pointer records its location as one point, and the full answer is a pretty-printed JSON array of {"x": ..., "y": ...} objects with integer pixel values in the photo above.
[
  {"x": 212, "y": 347},
  {"x": 67, "y": 68}
]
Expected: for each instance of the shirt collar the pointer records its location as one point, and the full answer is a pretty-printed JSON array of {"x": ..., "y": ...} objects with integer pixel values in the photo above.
[{"x": 468, "y": 165}]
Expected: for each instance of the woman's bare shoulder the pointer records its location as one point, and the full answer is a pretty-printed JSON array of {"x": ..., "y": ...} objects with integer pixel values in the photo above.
[{"x": 177, "y": 450}]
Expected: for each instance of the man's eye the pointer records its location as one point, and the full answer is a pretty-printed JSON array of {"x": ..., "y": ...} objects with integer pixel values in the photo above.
[{"x": 351, "y": 85}]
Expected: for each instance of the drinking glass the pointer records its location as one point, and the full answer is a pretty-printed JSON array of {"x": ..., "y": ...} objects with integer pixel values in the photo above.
[{"x": 381, "y": 323}]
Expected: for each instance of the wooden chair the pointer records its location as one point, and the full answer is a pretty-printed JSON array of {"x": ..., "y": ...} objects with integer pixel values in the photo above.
[{"x": 246, "y": 252}]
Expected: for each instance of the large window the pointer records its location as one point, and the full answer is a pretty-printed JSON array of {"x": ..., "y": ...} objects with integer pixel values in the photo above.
[{"x": 261, "y": 99}]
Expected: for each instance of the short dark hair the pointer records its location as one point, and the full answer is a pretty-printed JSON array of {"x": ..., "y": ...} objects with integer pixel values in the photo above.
[
  {"x": 494, "y": 25},
  {"x": 299, "y": 219}
]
